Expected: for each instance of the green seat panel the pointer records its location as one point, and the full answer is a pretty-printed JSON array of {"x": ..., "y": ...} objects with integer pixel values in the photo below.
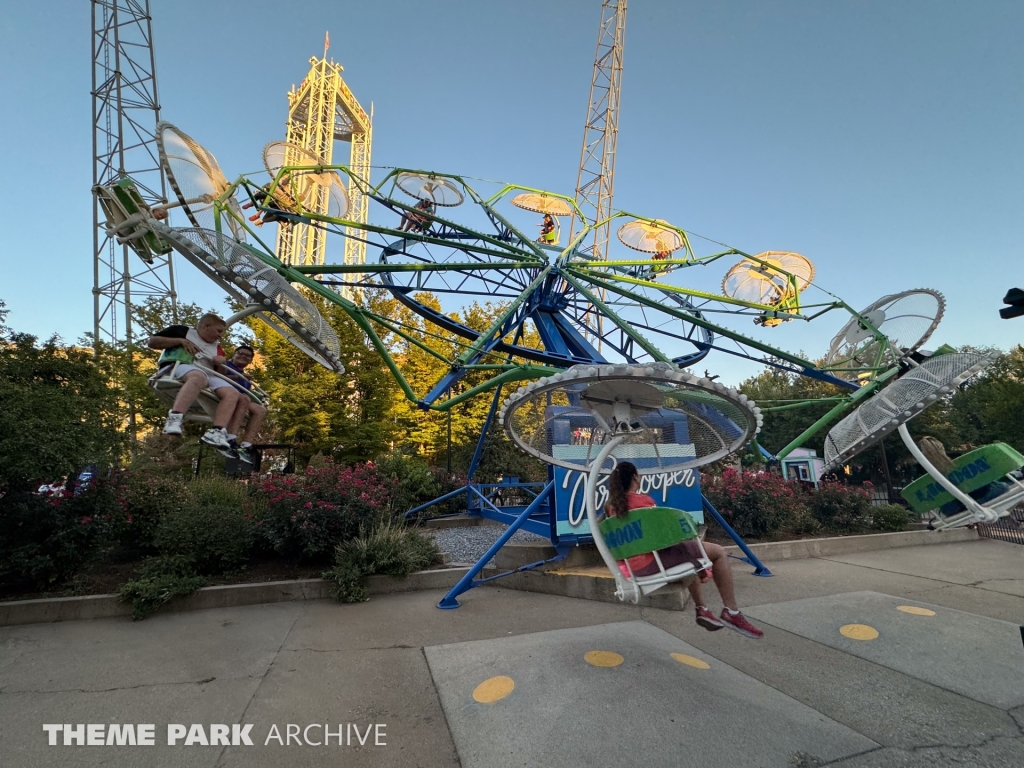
[
  {"x": 128, "y": 195},
  {"x": 974, "y": 470},
  {"x": 647, "y": 530}
]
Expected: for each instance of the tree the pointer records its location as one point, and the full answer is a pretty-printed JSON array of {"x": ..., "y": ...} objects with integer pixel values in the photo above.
[
  {"x": 777, "y": 387},
  {"x": 57, "y": 412},
  {"x": 991, "y": 408},
  {"x": 343, "y": 416}
]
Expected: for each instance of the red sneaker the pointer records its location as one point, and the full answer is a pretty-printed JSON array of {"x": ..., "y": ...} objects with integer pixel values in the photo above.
[
  {"x": 739, "y": 622},
  {"x": 707, "y": 619}
]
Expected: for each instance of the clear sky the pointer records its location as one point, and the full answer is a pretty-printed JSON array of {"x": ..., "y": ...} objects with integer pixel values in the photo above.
[{"x": 882, "y": 140}]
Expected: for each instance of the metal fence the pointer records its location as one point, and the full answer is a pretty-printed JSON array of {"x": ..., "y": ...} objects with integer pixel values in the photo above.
[
  {"x": 881, "y": 495},
  {"x": 1009, "y": 529}
]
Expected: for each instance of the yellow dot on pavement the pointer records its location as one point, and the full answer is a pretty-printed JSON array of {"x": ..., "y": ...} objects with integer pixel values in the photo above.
[
  {"x": 493, "y": 689},
  {"x": 603, "y": 658},
  {"x": 690, "y": 661},
  {"x": 915, "y": 610},
  {"x": 858, "y": 632}
]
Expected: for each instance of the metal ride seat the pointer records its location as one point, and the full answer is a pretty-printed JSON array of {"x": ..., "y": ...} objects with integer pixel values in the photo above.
[
  {"x": 891, "y": 407},
  {"x": 972, "y": 472},
  {"x": 646, "y": 531},
  {"x": 166, "y": 387},
  {"x": 125, "y": 211}
]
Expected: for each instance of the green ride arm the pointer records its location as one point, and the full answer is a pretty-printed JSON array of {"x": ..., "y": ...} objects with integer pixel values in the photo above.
[
  {"x": 701, "y": 322},
  {"x": 485, "y": 338},
  {"x": 842, "y": 407},
  {"x": 624, "y": 326}
]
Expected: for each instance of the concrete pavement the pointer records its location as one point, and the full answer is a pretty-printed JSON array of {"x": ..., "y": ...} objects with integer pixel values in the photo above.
[{"x": 517, "y": 678}]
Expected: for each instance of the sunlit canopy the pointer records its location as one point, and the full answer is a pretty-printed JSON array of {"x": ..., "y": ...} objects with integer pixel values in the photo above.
[
  {"x": 539, "y": 203},
  {"x": 425, "y": 187},
  {"x": 650, "y": 237},
  {"x": 768, "y": 282}
]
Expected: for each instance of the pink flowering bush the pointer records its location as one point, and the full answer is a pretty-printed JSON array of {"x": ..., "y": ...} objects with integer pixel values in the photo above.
[
  {"x": 309, "y": 515},
  {"x": 45, "y": 539},
  {"x": 143, "y": 500},
  {"x": 841, "y": 508},
  {"x": 756, "y": 504}
]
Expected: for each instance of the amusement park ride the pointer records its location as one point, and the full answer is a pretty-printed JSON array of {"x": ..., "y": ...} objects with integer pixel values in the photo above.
[{"x": 606, "y": 380}]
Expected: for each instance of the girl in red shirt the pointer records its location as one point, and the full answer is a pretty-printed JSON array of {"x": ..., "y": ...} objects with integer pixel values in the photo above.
[{"x": 624, "y": 495}]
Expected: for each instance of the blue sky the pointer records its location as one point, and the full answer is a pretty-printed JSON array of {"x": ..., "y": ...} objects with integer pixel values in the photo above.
[{"x": 882, "y": 140}]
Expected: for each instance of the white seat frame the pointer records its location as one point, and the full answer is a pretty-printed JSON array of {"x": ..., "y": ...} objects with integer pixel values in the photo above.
[
  {"x": 974, "y": 512},
  {"x": 633, "y": 587},
  {"x": 166, "y": 387}
]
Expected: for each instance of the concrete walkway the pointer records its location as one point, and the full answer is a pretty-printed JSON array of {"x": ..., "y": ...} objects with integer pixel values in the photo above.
[{"x": 896, "y": 658}]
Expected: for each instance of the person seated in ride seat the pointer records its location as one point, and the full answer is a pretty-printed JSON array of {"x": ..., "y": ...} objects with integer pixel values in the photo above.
[
  {"x": 235, "y": 367},
  {"x": 624, "y": 495},
  {"x": 411, "y": 221},
  {"x": 657, "y": 269},
  {"x": 935, "y": 452},
  {"x": 185, "y": 346},
  {"x": 547, "y": 230}
]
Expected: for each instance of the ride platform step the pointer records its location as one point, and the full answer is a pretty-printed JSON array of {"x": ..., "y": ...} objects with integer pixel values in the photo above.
[
  {"x": 589, "y": 582},
  {"x": 517, "y": 553}
]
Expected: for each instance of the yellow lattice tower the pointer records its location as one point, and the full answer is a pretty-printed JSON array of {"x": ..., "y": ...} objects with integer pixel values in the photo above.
[{"x": 323, "y": 110}]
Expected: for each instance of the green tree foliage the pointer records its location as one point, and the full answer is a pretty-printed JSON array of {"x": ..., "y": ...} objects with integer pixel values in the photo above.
[
  {"x": 987, "y": 409},
  {"x": 345, "y": 417},
  {"x": 425, "y": 433},
  {"x": 775, "y": 387},
  {"x": 57, "y": 412},
  {"x": 991, "y": 408}
]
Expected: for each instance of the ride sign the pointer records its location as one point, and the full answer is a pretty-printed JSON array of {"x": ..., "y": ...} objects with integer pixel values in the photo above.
[{"x": 679, "y": 489}]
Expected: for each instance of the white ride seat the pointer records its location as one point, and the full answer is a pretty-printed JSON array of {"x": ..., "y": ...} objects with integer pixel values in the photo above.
[
  {"x": 166, "y": 387},
  {"x": 973, "y": 472},
  {"x": 652, "y": 530}
]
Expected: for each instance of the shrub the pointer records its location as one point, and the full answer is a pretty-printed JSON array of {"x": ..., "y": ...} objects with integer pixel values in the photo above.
[
  {"x": 214, "y": 529},
  {"x": 45, "y": 540},
  {"x": 890, "y": 517},
  {"x": 803, "y": 523},
  {"x": 308, "y": 516},
  {"x": 390, "y": 549},
  {"x": 841, "y": 508},
  {"x": 160, "y": 580},
  {"x": 415, "y": 482},
  {"x": 755, "y": 504},
  {"x": 144, "y": 500}
]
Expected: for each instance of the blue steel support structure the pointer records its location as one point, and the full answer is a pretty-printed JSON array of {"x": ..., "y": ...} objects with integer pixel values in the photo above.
[
  {"x": 467, "y": 582},
  {"x": 750, "y": 558}
]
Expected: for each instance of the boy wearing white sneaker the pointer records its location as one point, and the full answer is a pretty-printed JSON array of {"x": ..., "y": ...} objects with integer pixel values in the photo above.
[
  {"x": 185, "y": 346},
  {"x": 256, "y": 412}
]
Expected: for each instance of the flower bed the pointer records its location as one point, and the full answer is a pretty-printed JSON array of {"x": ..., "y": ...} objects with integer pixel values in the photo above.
[
  {"x": 154, "y": 537},
  {"x": 761, "y": 506}
]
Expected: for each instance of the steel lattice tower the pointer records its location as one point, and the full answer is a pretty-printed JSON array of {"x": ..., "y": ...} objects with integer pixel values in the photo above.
[
  {"x": 125, "y": 113},
  {"x": 596, "y": 179},
  {"x": 323, "y": 110}
]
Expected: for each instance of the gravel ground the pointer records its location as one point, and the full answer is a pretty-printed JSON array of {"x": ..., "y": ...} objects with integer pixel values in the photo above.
[{"x": 468, "y": 544}]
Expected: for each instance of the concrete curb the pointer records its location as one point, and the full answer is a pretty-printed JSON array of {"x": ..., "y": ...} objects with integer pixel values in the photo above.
[
  {"x": 588, "y": 587},
  {"x": 515, "y": 554},
  {"x": 574, "y": 580},
  {"x": 228, "y": 596},
  {"x": 845, "y": 545}
]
